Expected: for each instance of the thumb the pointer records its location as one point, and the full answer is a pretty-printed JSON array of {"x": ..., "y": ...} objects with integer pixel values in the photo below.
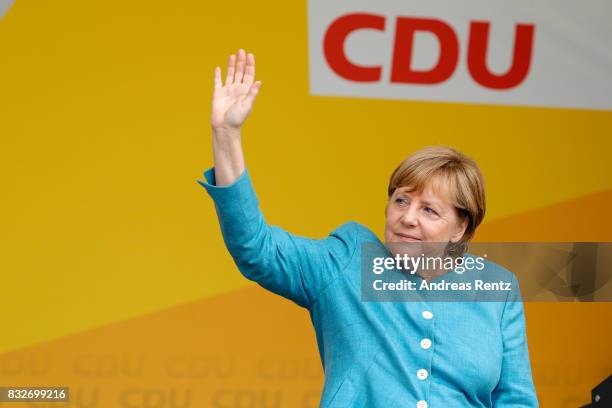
[{"x": 253, "y": 91}]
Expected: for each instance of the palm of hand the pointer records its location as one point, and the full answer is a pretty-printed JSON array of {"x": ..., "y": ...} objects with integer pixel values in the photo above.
[
  {"x": 233, "y": 101},
  {"x": 228, "y": 106}
]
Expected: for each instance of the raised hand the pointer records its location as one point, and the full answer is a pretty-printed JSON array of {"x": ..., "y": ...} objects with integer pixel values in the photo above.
[{"x": 233, "y": 100}]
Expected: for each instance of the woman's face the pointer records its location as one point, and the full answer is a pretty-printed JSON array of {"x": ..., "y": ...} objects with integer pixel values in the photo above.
[{"x": 422, "y": 217}]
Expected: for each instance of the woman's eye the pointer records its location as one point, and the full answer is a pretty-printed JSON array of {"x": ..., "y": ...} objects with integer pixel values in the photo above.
[
  {"x": 430, "y": 211},
  {"x": 400, "y": 200}
]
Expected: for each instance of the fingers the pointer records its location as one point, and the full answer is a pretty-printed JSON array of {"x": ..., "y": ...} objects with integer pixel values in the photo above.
[
  {"x": 240, "y": 69},
  {"x": 218, "y": 83},
  {"x": 253, "y": 91},
  {"x": 240, "y": 66},
  {"x": 231, "y": 67},
  {"x": 249, "y": 73}
]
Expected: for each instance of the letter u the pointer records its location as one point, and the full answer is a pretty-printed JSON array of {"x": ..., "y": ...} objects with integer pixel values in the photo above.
[{"x": 521, "y": 58}]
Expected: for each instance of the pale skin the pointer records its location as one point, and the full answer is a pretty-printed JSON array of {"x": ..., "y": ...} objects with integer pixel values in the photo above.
[
  {"x": 425, "y": 216},
  {"x": 232, "y": 102}
]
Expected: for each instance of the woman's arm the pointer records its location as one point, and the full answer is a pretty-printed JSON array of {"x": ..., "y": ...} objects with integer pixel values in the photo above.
[
  {"x": 231, "y": 104},
  {"x": 515, "y": 388},
  {"x": 295, "y": 267}
]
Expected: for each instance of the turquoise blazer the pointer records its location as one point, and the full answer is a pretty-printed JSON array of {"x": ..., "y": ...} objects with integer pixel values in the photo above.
[{"x": 378, "y": 354}]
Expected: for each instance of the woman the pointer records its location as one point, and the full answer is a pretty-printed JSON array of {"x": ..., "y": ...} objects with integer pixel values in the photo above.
[{"x": 376, "y": 354}]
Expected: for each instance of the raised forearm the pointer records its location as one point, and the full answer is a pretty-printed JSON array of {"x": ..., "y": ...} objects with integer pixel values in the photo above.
[
  {"x": 231, "y": 104},
  {"x": 228, "y": 156}
]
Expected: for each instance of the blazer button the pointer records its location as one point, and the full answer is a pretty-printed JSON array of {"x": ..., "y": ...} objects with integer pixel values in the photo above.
[
  {"x": 427, "y": 314},
  {"x": 426, "y": 343},
  {"x": 422, "y": 404}
]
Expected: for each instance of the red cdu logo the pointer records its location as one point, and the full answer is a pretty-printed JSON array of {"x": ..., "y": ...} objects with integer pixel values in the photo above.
[{"x": 449, "y": 56}]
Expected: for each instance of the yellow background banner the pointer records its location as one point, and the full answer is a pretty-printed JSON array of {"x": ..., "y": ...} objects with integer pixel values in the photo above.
[{"x": 114, "y": 275}]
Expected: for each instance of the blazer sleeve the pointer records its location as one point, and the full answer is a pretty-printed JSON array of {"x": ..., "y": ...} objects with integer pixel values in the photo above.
[
  {"x": 515, "y": 387},
  {"x": 294, "y": 267}
]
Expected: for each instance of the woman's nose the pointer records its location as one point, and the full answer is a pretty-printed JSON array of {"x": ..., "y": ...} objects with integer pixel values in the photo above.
[{"x": 410, "y": 216}]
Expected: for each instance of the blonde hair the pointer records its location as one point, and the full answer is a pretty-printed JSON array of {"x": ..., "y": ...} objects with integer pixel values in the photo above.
[{"x": 454, "y": 175}]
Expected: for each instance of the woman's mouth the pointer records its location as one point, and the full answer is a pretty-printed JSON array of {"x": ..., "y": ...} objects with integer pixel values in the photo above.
[{"x": 407, "y": 237}]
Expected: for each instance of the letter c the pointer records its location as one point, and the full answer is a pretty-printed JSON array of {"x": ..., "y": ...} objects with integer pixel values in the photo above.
[{"x": 333, "y": 46}]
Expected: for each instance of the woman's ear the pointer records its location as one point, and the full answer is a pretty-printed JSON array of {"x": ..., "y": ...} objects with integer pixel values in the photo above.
[{"x": 461, "y": 227}]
